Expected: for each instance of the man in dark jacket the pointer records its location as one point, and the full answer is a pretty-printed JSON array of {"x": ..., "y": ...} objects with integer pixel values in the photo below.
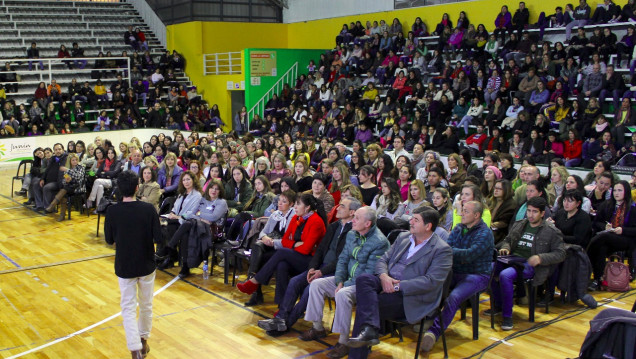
[
  {"x": 133, "y": 225},
  {"x": 323, "y": 264},
  {"x": 154, "y": 119},
  {"x": 535, "y": 247},
  {"x": 34, "y": 53},
  {"x": 613, "y": 85},
  {"x": 520, "y": 18},
  {"x": 47, "y": 187}
]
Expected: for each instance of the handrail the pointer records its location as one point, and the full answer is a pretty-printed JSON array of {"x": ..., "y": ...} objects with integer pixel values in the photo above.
[
  {"x": 287, "y": 78},
  {"x": 222, "y": 63},
  {"x": 56, "y": 60},
  {"x": 151, "y": 19}
]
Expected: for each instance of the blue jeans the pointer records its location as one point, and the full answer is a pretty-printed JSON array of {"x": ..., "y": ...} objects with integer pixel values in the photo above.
[
  {"x": 503, "y": 285},
  {"x": 464, "y": 286}
]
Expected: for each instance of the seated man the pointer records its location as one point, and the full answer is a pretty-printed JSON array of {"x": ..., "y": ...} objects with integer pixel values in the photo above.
[
  {"x": 536, "y": 246},
  {"x": 407, "y": 283},
  {"x": 364, "y": 245},
  {"x": 473, "y": 244},
  {"x": 323, "y": 264}
]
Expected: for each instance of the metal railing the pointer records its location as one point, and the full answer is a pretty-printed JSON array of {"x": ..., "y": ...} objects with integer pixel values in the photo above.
[
  {"x": 47, "y": 65},
  {"x": 289, "y": 77},
  {"x": 151, "y": 19},
  {"x": 222, "y": 63}
]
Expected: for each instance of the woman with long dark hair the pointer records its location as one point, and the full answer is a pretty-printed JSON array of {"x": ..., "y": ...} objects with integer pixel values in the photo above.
[{"x": 615, "y": 224}]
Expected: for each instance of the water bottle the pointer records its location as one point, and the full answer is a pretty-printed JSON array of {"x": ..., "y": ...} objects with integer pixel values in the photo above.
[{"x": 206, "y": 275}]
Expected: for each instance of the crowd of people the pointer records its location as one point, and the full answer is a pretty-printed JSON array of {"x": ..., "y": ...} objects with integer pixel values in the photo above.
[
  {"x": 322, "y": 214},
  {"x": 131, "y": 100},
  {"x": 351, "y": 199}
]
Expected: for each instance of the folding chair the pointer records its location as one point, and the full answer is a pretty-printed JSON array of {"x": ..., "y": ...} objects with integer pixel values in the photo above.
[{"x": 21, "y": 167}]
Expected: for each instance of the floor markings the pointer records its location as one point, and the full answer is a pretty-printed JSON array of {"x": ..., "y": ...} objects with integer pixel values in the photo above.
[{"x": 87, "y": 328}]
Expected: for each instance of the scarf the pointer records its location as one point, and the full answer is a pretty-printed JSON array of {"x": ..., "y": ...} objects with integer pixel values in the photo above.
[{"x": 619, "y": 216}]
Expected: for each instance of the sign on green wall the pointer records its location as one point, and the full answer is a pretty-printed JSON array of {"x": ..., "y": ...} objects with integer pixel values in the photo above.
[{"x": 265, "y": 67}]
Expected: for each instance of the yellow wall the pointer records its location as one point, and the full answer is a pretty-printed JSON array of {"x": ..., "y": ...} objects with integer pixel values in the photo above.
[
  {"x": 193, "y": 39},
  {"x": 320, "y": 34}
]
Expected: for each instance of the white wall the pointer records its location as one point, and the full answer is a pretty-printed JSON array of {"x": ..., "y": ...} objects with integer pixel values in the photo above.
[{"x": 305, "y": 10}]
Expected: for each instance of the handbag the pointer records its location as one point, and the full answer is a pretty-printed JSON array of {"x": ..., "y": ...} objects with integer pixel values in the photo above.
[{"x": 616, "y": 276}]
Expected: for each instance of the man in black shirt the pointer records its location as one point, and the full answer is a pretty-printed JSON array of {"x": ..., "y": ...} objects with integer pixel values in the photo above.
[
  {"x": 45, "y": 190},
  {"x": 133, "y": 225}
]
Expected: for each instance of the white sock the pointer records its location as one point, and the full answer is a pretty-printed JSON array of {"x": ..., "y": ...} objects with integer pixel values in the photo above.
[{"x": 318, "y": 326}]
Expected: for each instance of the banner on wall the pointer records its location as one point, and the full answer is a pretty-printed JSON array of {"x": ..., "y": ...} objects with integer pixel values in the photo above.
[
  {"x": 16, "y": 149},
  {"x": 263, "y": 63}
]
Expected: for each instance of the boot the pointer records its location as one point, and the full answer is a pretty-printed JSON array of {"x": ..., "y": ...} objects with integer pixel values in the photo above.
[
  {"x": 145, "y": 348},
  {"x": 58, "y": 198},
  {"x": 63, "y": 208},
  {"x": 256, "y": 298},
  {"x": 137, "y": 354}
]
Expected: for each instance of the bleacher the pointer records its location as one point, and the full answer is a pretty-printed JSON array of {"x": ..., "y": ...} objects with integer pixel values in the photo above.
[{"x": 95, "y": 26}]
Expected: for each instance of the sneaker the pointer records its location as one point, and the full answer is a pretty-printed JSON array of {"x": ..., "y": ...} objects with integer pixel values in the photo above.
[
  {"x": 428, "y": 341},
  {"x": 277, "y": 324},
  {"x": 489, "y": 311},
  {"x": 506, "y": 324}
]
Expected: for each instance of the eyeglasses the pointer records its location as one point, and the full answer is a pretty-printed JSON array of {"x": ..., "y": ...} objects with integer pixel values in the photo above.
[{"x": 498, "y": 188}]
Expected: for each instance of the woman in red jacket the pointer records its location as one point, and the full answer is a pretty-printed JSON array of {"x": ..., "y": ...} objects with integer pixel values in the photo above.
[
  {"x": 299, "y": 243},
  {"x": 572, "y": 150}
]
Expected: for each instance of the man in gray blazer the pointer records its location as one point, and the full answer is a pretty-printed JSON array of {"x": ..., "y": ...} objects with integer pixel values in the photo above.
[{"x": 407, "y": 283}]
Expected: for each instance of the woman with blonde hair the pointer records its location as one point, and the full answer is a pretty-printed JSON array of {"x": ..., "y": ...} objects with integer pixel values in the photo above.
[
  {"x": 151, "y": 161},
  {"x": 558, "y": 177},
  {"x": 416, "y": 198},
  {"x": 339, "y": 178},
  {"x": 195, "y": 167},
  {"x": 302, "y": 175},
  {"x": 169, "y": 173},
  {"x": 124, "y": 151},
  {"x": 374, "y": 152}
]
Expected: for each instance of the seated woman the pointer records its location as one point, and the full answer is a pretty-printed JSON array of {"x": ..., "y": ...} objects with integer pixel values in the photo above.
[
  {"x": 534, "y": 188},
  {"x": 168, "y": 176},
  {"x": 277, "y": 172},
  {"x": 416, "y": 198},
  {"x": 470, "y": 192},
  {"x": 238, "y": 190},
  {"x": 502, "y": 207},
  {"x": 261, "y": 199},
  {"x": 572, "y": 221},
  {"x": 601, "y": 192},
  {"x": 386, "y": 203},
  {"x": 299, "y": 243},
  {"x": 368, "y": 189},
  {"x": 615, "y": 225},
  {"x": 302, "y": 175},
  {"x": 186, "y": 206},
  {"x": 444, "y": 206},
  {"x": 107, "y": 171},
  {"x": 73, "y": 182},
  {"x": 270, "y": 239},
  {"x": 574, "y": 182},
  {"x": 339, "y": 178},
  {"x": 212, "y": 209},
  {"x": 319, "y": 191},
  {"x": 149, "y": 190},
  {"x": 287, "y": 183}
]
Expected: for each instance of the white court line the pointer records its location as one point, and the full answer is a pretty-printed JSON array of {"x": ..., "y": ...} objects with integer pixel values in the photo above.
[
  {"x": 491, "y": 338},
  {"x": 87, "y": 328}
]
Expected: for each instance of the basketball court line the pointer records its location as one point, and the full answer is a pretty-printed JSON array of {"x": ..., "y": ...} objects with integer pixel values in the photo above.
[
  {"x": 21, "y": 269},
  {"x": 87, "y": 328}
]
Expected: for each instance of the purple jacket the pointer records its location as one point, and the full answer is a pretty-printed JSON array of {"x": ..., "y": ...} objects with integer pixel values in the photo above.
[
  {"x": 503, "y": 20},
  {"x": 364, "y": 136}
]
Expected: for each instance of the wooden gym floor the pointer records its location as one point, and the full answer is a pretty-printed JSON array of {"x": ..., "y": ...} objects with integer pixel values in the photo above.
[{"x": 59, "y": 297}]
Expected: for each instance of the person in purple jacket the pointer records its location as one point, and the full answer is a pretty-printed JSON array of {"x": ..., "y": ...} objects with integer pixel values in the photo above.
[{"x": 503, "y": 23}]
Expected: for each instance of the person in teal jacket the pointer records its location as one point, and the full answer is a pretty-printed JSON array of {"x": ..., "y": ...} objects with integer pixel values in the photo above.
[{"x": 364, "y": 246}]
